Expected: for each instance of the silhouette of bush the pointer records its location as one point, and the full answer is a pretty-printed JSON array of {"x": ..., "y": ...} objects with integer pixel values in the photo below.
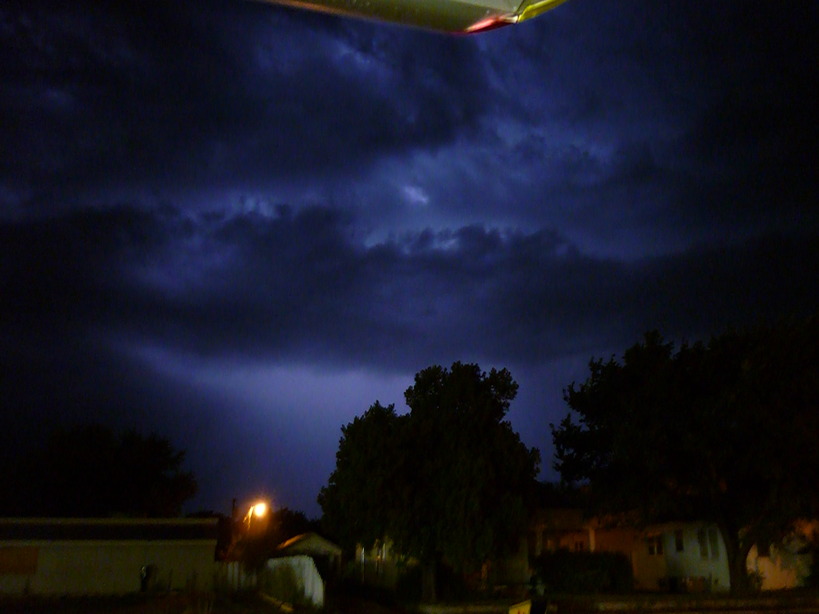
[{"x": 563, "y": 571}]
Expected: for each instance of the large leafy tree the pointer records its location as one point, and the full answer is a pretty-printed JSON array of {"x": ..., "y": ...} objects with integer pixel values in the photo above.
[
  {"x": 446, "y": 482},
  {"x": 724, "y": 431},
  {"x": 93, "y": 471},
  {"x": 357, "y": 502}
]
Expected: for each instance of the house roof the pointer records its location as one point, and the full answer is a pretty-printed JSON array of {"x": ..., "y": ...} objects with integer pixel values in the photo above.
[
  {"x": 107, "y": 529},
  {"x": 308, "y": 543}
]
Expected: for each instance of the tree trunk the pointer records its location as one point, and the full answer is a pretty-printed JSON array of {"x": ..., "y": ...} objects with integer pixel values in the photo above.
[
  {"x": 428, "y": 592},
  {"x": 737, "y": 551}
]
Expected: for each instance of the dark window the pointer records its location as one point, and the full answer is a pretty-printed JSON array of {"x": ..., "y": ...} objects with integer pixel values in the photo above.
[
  {"x": 655, "y": 545},
  {"x": 702, "y": 539},
  {"x": 679, "y": 544},
  {"x": 713, "y": 542},
  {"x": 579, "y": 546}
]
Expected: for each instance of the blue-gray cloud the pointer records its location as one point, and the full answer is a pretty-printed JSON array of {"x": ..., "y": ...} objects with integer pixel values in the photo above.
[
  {"x": 529, "y": 197},
  {"x": 302, "y": 286}
]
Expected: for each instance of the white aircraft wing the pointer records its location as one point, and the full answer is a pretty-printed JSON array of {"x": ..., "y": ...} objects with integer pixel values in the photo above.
[{"x": 457, "y": 16}]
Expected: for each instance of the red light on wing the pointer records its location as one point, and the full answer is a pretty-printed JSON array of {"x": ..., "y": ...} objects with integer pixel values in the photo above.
[{"x": 490, "y": 23}]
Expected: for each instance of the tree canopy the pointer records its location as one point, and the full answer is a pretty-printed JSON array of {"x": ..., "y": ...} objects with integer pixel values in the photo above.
[
  {"x": 445, "y": 482},
  {"x": 92, "y": 471},
  {"x": 723, "y": 431}
]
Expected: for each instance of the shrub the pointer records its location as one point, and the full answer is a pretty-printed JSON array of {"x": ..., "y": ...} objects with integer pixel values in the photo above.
[
  {"x": 563, "y": 571},
  {"x": 408, "y": 586}
]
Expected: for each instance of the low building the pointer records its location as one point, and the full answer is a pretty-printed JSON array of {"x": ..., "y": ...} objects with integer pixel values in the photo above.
[
  {"x": 81, "y": 556},
  {"x": 786, "y": 564},
  {"x": 681, "y": 557},
  {"x": 553, "y": 529},
  {"x": 325, "y": 553},
  {"x": 675, "y": 556}
]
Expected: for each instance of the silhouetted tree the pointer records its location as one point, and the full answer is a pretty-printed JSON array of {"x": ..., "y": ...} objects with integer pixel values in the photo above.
[
  {"x": 357, "y": 503},
  {"x": 444, "y": 483},
  {"x": 92, "y": 471},
  {"x": 724, "y": 431}
]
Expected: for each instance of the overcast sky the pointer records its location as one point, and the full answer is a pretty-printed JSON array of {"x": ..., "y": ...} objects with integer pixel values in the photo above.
[{"x": 239, "y": 225}]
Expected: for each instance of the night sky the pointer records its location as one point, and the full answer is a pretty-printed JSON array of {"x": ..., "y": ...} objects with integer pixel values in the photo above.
[{"x": 239, "y": 225}]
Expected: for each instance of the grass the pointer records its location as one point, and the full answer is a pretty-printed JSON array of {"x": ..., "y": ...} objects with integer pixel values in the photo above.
[{"x": 171, "y": 603}]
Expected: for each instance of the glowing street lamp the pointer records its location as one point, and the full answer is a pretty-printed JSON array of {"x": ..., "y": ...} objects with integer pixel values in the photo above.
[
  {"x": 259, "y": 510},
  {"x": 464, "y": 16},
  {"x": 256, "y": 517}
]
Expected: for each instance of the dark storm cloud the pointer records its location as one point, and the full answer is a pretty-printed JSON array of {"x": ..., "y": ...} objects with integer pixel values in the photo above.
[
  {"x": 529, "y": 197},
  {"x": 158, "y": 94},
  {"x": 660, "y": 122},
  {"x": 303, "y": 287}
]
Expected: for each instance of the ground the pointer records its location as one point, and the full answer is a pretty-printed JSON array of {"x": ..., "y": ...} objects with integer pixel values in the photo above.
[
  {"x": 179, "y": 604},
  {"x": 795, "y": 602}
]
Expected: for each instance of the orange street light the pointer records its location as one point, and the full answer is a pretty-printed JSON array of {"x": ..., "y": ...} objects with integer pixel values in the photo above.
[
  {"x": 256, "y": 515},
  {"x": 259, "y": 510}
]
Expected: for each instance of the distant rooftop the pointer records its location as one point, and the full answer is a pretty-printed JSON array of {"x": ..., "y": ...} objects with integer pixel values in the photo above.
[{"x": 107, "y": 529}]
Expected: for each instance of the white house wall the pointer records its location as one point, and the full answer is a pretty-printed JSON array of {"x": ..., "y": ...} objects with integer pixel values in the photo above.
[
  {"x": 294, "y": 580},
  {"x": 698, "y": 563}
]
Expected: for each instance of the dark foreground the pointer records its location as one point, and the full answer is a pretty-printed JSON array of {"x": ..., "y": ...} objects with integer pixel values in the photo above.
[
  {"x": 183, "y": 604},
  {"x": 344, "y": 603}
]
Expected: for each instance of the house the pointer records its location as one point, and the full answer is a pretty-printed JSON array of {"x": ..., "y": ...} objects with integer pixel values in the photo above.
[
  {"x": 674, "y": 556},
  {"x": 691, "y": 557},
  {"x": 299, "y": 570},
  {"x": 292, "y": 580},
  {"x": 681, "y": 557},
  {"x": 325, "y": 553},
  {"x": 553, "y": 529},
  {"x": 787, "y": 564},
  {"x": 549, "y": 529},
  {"x": 82, "y": 556}
]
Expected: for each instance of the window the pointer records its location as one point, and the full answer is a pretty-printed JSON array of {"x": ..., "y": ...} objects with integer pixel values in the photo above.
[
  {"x": 713, "y": 542},
  {"x": 679, "y": 544},
  {"x": 703, "y": 542},
  {"x": 579, "y": 546},
  {"x": 655, "y": 545}
]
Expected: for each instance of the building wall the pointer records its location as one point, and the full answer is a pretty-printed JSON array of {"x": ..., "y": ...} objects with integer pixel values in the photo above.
[
  {"x": 622, "y": 540},
  {"x": 90, "y": 567},
  {"x": 678, "y": 556},
  {"x": 649, "y": 567},
  {"x": 688, "y": 557},
  {"x": 294, "y": 580},
  {"x": 785, "y": 565}
]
